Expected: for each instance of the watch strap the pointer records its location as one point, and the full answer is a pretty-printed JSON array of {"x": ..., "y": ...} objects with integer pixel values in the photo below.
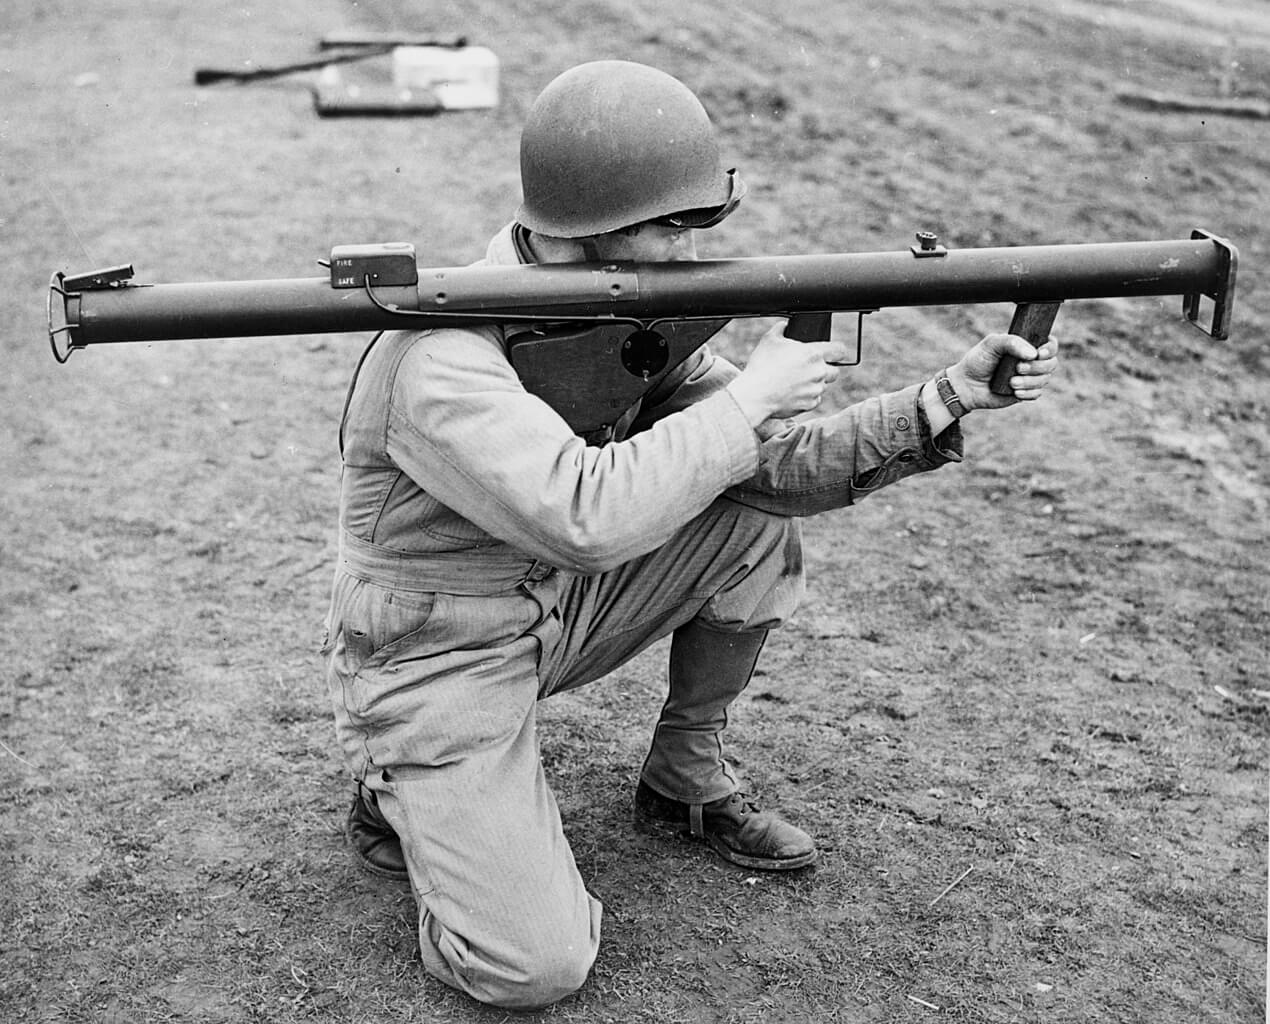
[{"x": 948, "y": 395}]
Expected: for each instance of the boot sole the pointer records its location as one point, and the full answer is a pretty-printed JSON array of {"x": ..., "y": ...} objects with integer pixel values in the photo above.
[
  {"x": 760, "y": 863},
  {"x": 389, "y": 874}
]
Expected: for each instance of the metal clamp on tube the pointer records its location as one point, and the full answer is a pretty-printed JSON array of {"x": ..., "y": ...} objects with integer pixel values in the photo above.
[
  {"x": 69, "y": 289},
  {"x": 1223, "y": 295}
]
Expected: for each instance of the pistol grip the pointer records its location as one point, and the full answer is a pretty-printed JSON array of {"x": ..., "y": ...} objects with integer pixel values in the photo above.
[
  {"x": 809, "y": 326},
  {"x": 1032, "y": 322}
]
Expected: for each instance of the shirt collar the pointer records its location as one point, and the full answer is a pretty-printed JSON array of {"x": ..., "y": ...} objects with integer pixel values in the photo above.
[{"x": 508, "y": 248}]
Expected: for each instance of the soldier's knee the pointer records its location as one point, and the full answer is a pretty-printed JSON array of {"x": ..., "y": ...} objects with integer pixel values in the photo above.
[
  {"x": 546, "y": 978},
  {"x": 769, "y": 583},
  {"x": 529, "y": 965}
]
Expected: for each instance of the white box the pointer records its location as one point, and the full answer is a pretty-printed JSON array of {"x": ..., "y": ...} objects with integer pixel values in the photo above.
[{"x": 461, "y": 77}]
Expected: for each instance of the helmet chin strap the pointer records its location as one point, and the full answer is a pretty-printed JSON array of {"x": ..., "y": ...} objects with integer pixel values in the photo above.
[{"x": 538, "y": 248}]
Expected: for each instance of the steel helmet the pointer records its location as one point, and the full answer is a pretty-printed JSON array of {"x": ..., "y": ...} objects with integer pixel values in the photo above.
[{"x": 614, "y": 143}]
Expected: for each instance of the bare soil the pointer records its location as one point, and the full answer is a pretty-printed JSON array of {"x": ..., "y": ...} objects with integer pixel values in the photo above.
[{"x": 1024, "y": 710}]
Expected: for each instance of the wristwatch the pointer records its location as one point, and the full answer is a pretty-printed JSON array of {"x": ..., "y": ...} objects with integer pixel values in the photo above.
[{"x": 948, "y": 395}]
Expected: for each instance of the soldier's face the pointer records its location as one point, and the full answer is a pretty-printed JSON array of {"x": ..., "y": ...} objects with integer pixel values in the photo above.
[{"x": 648, "y": 242}]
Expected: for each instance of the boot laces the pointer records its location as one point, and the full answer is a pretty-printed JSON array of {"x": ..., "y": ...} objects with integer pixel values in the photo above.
[{"x": 738, "y": 804}]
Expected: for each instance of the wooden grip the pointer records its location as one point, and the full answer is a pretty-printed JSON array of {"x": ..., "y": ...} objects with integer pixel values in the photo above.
[{"x": 1032, "y": 322}]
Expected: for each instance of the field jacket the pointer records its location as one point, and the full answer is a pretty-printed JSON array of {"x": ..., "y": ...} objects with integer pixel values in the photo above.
[{"x": 455, "y": 475}]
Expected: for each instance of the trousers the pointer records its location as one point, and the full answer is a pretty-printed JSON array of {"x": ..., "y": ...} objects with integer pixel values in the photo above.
[{"x": 435, "y": 698}]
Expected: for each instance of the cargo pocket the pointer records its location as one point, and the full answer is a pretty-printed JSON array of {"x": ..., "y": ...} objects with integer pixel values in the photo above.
[{"x": 372, "y": 646}]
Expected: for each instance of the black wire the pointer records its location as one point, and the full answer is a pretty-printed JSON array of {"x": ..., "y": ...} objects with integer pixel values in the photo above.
[{"x": 504, "y": 318}]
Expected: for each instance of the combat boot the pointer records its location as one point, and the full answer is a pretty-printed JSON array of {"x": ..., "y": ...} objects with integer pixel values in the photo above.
[
  {"x": 372, "y": 839},
  {"x": 734, "y": 828}
]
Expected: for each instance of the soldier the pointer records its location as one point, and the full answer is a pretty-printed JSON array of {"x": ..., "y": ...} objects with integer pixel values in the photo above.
[{"x": 490, "y": 557}]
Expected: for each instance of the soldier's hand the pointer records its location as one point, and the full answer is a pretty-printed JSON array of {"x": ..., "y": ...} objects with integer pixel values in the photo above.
[
  {"x": 785, "y": 377},
  {"x": 971, "y": 375}
]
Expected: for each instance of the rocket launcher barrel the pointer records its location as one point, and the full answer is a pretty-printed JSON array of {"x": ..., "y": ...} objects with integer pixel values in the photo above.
[
  {"x": 107, "y": 306},
  {"x": 592, "y": 338}
]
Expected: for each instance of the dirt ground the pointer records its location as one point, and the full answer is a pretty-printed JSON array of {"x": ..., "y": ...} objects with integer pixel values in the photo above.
[{"x": 1024, "y": 710}]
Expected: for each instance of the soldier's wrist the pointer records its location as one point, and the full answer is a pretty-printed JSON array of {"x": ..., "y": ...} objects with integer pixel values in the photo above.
[
  {"x": 755, "y": 406},
  {"x": 938, "y": 418},
  {"x": 951, "y": 394}
]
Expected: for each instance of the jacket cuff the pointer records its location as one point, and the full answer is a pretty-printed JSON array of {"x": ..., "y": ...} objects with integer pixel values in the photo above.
[
  {"x": 908, "y": 430},
  {"x": 736, "y": 438}
]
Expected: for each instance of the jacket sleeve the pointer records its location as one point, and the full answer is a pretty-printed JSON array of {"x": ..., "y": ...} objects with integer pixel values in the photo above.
[
  {"x": 462, "y": 426},
  {"x": 815, "y": 464},
  {"x": 835, "y": 460}
]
